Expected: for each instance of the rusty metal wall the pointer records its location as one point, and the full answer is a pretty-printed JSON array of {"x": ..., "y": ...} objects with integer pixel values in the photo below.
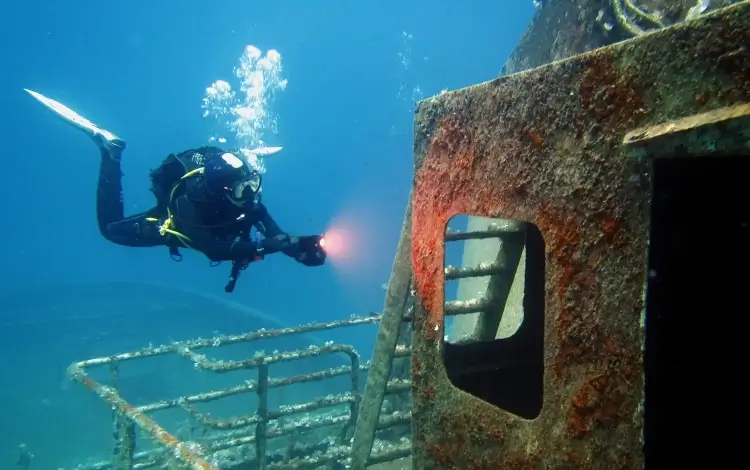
[
  {"x": 546, "y": 147},
  {"x": 559, "y": 30}
]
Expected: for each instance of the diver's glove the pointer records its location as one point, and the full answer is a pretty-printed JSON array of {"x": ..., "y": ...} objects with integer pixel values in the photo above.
[
  {"x": 307, "y": 250},
  {"x": 281, "y": 242}
]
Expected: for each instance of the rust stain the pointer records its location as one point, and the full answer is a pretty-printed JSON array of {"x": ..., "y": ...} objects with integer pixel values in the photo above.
[
  {"x": 544, "y": 147},
  {"x": 597, "y": 402},
  {"x": 610, "y": 94},
  {"x": 447, "y": 173},
  {"x": 521, "y": 463},
  {"x": 576, "y": 280},
  {"x": 427, "y": 393},
  {"x": 611, "y": 230},
  {"x": 536, "y": 139},
  {"x": 473, "y": 439},
  {"x": 168, "y": 439}
]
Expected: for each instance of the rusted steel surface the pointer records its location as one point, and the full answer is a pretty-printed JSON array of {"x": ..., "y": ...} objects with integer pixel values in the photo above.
[{"x": 546, "y": 146}]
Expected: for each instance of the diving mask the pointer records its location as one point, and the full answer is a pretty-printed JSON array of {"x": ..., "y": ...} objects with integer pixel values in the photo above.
[{"x": 247, "y": 189}]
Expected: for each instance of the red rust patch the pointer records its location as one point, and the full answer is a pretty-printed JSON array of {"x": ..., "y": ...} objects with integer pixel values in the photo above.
[
  {"x": 611, "y": 229},
  {"x": 598, "y": 402},
  {"x": 428, "y": 393},
  {"x": 448, "y": 172},
  {"x": 609, "y": 95},
  {"x": 473, "y": 439},
  {"x": 521, "y": 463},
  {"x": 576, "y": 280},
  {"x": 168, "y": 439},
  {"x": 573, "y": 458},
  {"x": 536, "y": 139}
]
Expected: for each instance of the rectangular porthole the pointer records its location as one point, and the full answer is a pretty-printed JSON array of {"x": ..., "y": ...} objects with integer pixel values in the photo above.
[{"x": 494, "y": 292}]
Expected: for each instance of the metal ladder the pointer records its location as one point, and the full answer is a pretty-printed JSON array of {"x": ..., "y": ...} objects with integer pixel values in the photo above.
[{"x": 398, "y": 313}]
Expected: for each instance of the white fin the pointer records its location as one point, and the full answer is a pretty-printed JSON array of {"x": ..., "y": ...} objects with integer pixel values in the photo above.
[
  {"x": 263, "y": 151},
  {"x": 71, "y": 116}
]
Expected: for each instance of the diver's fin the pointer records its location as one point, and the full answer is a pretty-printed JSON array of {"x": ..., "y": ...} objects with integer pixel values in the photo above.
[
  {"x": 79, "y": 121},
  {"x": 263, "y": 151}
]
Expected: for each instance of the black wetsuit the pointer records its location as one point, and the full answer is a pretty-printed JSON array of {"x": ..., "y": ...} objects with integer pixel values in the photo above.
[{"x": 216, "y": 227}]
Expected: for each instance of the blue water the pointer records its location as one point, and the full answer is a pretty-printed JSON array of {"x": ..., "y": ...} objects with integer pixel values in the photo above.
[{"x": 141, "y": 69}]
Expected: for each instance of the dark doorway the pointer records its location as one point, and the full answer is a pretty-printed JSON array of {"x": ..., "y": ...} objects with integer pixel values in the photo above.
[{"x": 697, "y": 299}]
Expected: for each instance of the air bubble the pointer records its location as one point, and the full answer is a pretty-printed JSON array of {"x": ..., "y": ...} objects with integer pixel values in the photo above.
[{"x": 240, "y": 115}]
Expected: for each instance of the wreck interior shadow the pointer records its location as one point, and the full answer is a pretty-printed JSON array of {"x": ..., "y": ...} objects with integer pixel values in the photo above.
[{"x": 697, "y": 288}]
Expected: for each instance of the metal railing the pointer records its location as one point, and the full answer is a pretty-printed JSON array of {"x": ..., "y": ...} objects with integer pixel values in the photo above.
[{"x": 200, "y": 454}]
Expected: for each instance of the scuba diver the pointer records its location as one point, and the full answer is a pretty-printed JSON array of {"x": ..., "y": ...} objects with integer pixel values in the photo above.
[{"x": 207, "y": 199}]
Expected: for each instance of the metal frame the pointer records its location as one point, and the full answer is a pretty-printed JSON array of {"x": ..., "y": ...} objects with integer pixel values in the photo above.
[{"x": 197, "y": 456}]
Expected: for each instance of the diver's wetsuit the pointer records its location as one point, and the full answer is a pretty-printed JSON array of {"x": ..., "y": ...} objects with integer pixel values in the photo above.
[{"x": 212, "y": 226}]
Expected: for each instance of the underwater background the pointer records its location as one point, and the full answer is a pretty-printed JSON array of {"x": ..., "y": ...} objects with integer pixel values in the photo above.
[{"x": 339, "y": 99}]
